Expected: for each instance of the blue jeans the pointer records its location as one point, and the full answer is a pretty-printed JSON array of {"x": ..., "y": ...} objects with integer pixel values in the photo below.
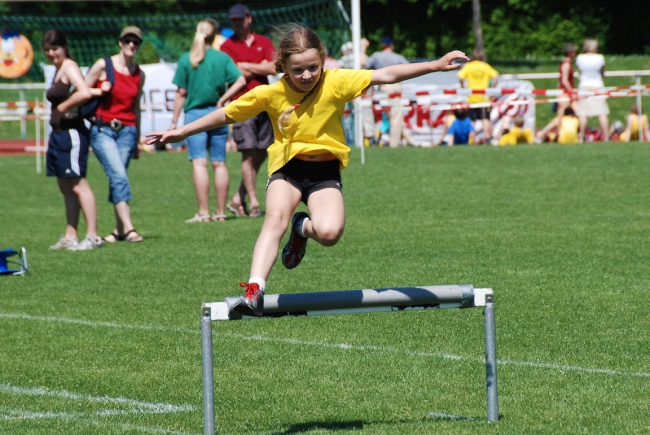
[
  {"x": 213, "y": 140},
  {"x": 114, "y": 150}
]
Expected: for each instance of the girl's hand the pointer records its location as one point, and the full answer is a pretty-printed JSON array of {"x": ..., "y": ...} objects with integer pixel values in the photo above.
[
  {"x": 106, "y": 86},
  {"x": 159, "y": 137},
  {"x": 69, "y": 113},
  {"x": 446, "y": 63}
]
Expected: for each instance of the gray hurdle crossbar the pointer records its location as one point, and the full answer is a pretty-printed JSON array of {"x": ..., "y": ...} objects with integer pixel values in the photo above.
[{"x": 354, "y": 302}]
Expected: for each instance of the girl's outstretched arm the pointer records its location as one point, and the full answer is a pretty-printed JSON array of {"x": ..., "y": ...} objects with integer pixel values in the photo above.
[
  {"x": 212, "y": 120},
  {"x": 398, "y": 73}
]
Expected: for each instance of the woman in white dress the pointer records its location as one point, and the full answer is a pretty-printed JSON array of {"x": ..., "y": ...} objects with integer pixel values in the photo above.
[{"x": 591, "y": 65}]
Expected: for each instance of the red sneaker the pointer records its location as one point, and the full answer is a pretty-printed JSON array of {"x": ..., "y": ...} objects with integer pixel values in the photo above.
[{"x": 252, "y": 302}]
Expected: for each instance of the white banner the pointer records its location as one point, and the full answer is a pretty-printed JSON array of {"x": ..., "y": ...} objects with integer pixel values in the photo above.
[{"x": 424, "y": 117}]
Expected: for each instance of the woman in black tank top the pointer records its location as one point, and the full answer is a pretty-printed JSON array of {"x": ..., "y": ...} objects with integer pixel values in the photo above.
[{"x": 67, "y": 152}]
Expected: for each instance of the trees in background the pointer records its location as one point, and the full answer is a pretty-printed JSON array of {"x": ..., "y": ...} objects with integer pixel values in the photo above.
[
  {"x": 510, "y": 28},
  {"x": 429, "y": 28}
]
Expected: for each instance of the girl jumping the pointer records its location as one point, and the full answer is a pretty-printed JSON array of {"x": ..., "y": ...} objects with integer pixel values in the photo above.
[{"x": 306, "y": 108}]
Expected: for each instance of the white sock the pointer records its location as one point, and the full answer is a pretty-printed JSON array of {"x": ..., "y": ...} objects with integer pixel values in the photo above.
[
  {"x": 302, "y": 227},
  {"x": 259, "y": 281}
]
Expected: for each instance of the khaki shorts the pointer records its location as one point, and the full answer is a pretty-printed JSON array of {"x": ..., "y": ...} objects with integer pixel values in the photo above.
[{"x": 593, "y": 106}]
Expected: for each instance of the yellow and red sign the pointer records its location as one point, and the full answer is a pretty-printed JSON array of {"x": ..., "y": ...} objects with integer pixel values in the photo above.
[{"x": 16, "y": 54}]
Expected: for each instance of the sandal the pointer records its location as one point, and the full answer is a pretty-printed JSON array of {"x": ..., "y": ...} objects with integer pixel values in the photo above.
[
  {"x": 133, "y": 239},
  {"x": 238, "y": 210},
  {"x": 113, "y": 237},
  {"x": 219, "y": 217},
  {"x": 198, "y": 218},
  {"x": 255, "y": 212}
]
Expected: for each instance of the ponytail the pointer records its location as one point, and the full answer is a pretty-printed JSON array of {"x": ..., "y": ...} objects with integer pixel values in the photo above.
[{"x": 205, "y": 34}]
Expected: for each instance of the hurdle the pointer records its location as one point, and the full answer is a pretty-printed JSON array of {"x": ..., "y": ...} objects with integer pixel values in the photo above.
[{"x": 355, "y": 302}]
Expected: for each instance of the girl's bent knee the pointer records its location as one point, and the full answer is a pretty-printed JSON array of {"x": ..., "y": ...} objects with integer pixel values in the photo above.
[{"x": 329, "y": 236}]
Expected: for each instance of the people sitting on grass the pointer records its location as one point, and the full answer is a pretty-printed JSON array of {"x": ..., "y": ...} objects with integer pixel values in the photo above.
[
  {"x": 565, "y": 129},
  {"x": 461, "y": 131},
  {"x": 633, "y": 127},
  {"x": 516, "y": 134}
]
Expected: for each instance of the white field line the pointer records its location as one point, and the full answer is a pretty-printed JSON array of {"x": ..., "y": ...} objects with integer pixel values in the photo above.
[
  {"x": 19, "y": 414},
  {"x": 560, "y": 367},
  {"x": 137, "y": 407}
]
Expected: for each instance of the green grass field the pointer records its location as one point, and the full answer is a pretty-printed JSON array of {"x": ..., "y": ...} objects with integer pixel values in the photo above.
[{"x": 107, "y": 341}]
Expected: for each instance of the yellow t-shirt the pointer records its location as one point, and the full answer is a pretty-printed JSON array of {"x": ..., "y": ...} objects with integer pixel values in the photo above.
[
  {"x": 313, "y": 128},
  {"x": 634, "y": 128},
  {"x": 218, "y": 40},
  {"x": 516, "y": 135},
  {"x": 568, "y": 129},
  {"x": 478, "y": 75}
]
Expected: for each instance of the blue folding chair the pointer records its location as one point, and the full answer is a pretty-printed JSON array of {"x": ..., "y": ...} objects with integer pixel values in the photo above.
[{"x": 4, "y": 261}]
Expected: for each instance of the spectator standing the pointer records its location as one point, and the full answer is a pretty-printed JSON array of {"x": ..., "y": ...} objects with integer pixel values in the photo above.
[
  {"x": 566, "y": 83},
  {"x": 591, "y": 65},
  {"x": 115, "y": 134},
  {"x": 254, "y": 55},
  {"x": 67, "y": 151},
  {"x": 478, "y": 74},
  {"x": 202, "y": 77},
  {"x": 381, "y": 59},
  {"x": 218, "y": 37}
]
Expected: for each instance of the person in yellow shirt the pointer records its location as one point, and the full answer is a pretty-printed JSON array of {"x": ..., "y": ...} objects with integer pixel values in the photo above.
[
  {"x": 564, "y": 129},
  {"x": 306, "y": 109},
  {"x": 633, "y": 126},
  {"x": 219, "y": 38},
  {"x": 478, "y": 74},
  {"x": 517, "y": 134},
  {"x": 568, "y": 127}
]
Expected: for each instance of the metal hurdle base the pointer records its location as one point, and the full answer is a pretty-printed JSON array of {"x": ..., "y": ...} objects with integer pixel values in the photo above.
[{"x": 355, "y": 302}]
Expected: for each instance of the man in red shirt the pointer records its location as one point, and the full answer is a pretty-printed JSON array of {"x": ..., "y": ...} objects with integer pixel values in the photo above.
[{"x": 255, "y": 57}]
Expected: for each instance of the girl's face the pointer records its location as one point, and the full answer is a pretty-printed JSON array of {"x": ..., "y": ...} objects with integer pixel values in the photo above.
[
  {"x": 54, "y": 54},
  {"x": 304, "y": 70}
]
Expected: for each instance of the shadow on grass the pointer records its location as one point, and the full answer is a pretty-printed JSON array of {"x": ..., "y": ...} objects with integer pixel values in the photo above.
[
  {"x": 311, "y": 426},
  {"x": 335, "y": 426}
]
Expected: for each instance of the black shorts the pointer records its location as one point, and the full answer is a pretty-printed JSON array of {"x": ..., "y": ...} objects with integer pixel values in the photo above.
[
  {"x": 309, "y": 177},
  {"x": 479, "y": 113},
  {"x": 67, "y": 153},
  {"x": 253, "y": 134}
]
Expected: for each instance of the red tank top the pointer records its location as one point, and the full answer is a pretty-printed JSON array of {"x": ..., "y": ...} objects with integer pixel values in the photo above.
[
  {"x": 570, "y": 78},
  {"x": 119, "y": 102}
]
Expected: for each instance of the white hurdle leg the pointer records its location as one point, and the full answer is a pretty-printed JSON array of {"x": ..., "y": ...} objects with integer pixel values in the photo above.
[
  {"x": 491, "y": 359},
  {"x": 208, "y": 375}
]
